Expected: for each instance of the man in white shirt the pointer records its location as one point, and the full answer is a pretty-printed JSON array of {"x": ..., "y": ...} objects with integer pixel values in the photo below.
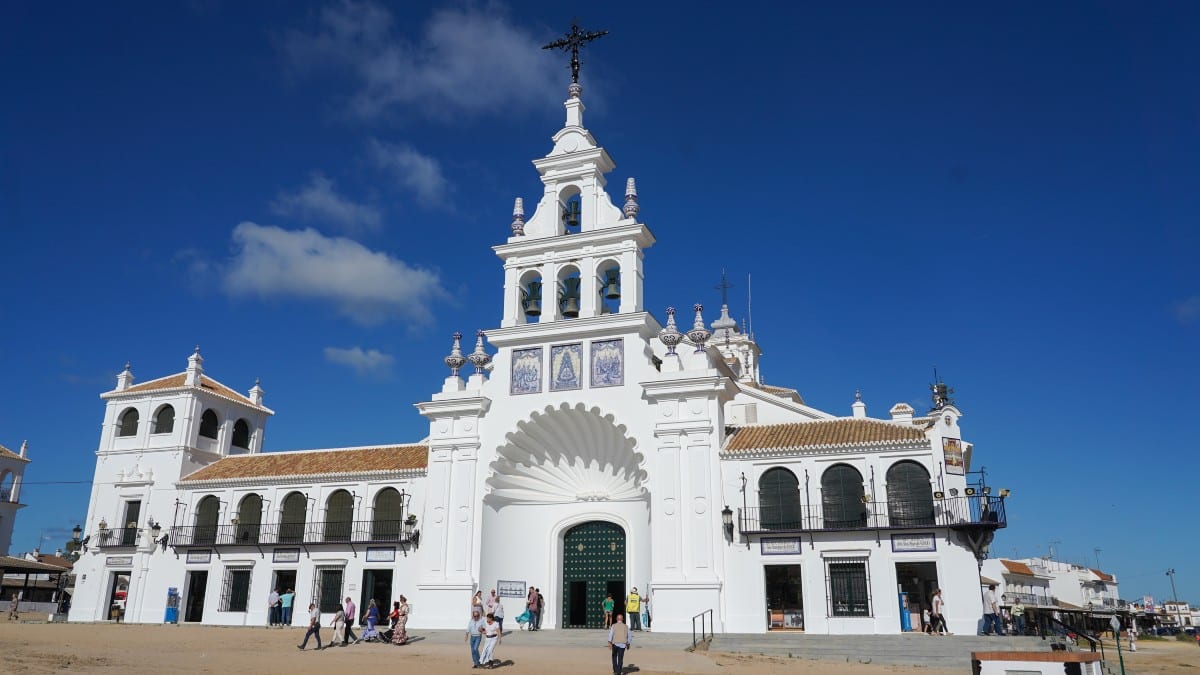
[
  {"x": 991, "y": 612},
  {"x": 314, "y": 627},
  {"x": 273, "y": 608}
]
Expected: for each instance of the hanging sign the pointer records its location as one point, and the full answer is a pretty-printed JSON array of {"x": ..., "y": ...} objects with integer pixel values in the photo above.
[{"x": 953, "y": 453}]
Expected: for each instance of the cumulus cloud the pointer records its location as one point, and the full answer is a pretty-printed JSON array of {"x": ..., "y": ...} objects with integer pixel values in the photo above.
[
  {"x": 465, "y": 60},
  {"x": 1188, "y": 311},
  {"x": 367, "y": 286},
  {"x": 369, "y": 362},
  {"x": 416, "y": 172},
  {"x": 319, "y": 202}
]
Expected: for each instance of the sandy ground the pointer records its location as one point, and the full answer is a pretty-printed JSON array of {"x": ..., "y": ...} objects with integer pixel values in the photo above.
[{"x": 137, "y": 649}]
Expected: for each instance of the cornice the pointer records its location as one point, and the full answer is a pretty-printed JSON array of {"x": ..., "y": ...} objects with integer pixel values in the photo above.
[
  {"x": 534, "y": 246},
  {"x": 604, "y": 326},
  {"x": 301, "y": 479}
]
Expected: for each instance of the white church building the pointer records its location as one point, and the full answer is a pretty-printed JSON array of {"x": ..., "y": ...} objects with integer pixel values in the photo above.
[{"x": 591, "y": 450}]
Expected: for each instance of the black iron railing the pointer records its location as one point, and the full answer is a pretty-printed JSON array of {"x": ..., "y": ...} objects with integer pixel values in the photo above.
[
  {"x": 117, "y": 537},
  {"x": 318, "y": 532},
  {"x": 954, "y": 512},
  {"x": 1029, "y": 599}
]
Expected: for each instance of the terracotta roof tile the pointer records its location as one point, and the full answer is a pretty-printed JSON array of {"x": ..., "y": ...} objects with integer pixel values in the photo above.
[
  {"x": 315, "y": 462},
  {"x": 1017, "y": 567},
  {"x": 1102, "y": 575},
  {"x": 177, "y": 380},
  {"x": 782, "y": 392},
  {"x": 819, "y": 434},
  {"x": 55, "y": 560},
  {"x": 5, "y": 452}
]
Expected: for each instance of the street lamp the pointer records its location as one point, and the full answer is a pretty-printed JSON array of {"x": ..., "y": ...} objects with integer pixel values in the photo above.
[
  {"x": 1174, "y": 595},
  {"x": 727, "y": 521},
  {"x": 76, "y": 532}
]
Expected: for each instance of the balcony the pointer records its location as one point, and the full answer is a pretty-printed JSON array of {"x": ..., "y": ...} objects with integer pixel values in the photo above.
[
  {"x": 976, "y": 512},
  {"x": 117, "y": 537},
  {"x": 319, "y": 532},
  {"x": 1029, "y": 599}
]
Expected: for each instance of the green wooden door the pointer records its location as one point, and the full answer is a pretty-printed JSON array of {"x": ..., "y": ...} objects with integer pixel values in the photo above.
[{"x": 593, "y": 566}]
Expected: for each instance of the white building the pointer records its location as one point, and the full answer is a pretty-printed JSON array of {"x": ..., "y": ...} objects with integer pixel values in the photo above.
[
  {"x": 12, "y": 472},
  {"x": 594, "y": 451}
]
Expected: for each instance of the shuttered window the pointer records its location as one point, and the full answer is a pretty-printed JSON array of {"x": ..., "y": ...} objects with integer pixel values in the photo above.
[
  {"x": 841, "y": 498},
  {"x": 779, "y": 500},
  {"x": 291, "y": 521},
  {"x": 910, "y": 496},
  {"x": 339, "y": 514}
]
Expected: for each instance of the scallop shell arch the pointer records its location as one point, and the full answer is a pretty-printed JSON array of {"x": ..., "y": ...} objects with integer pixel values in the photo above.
[{"x": 567, "y": 454}]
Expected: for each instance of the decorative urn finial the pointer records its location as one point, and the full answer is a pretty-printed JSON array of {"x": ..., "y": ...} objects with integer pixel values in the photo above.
[
  {"x": 479, "y": 358},
  {"x": 699, "y": 334},
  {"x": 518, "y": 223},
  {"x": 670, "y": 335},
  {"x": 631, "y": 202},
  {"x": 574, "y": 90},
  {"x": 456, "y": 360}
]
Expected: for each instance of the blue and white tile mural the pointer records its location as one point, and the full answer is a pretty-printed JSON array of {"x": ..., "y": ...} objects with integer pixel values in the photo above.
[
  {"x": 608, "y": 363},
  {"x": 566, "y": 367},
  {"x": 527, "y": 371}
]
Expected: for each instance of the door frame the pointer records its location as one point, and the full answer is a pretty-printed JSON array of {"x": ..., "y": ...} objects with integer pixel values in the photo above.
[{"x": 558, "y": 545}]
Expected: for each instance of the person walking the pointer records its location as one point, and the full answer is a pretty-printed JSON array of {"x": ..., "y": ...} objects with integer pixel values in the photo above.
[
  {"x": 1133, "y": 636},
  {"x": 1018, "y": 617},
  {"x": 13, "y": 613},
  {"x": 314, "y": 627},
  {"x": 541, "y": 605},
  {"x": 338, "y": 625},
  {"x": 477, "y": 603},
  {"x": 499, "y": 614},
  {"x": 399, "y": 629},
  {"x": 273, "y": 607},
  {"x": 619, "y": 639},
  {"x": 285, "y": 607},
  {"x": 350, "y": 609},
  {"x": 531, "y": 605},
  {"x": 608, "y": 606},
  {"x": 938, "y": 614},
  {"x": 633, "y": 605},
  {"x": 991, "y": 612},
  {"x": 475, "y": 636},
  {"x": 371, "y": 616},
  {"x": 489, "y": 605},
  {"x": 491, "y": 639},
  {"x": 926, "y": 626}
]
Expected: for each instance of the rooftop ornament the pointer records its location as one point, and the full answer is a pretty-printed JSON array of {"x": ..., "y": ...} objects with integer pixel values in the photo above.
[
  {"x": 571, "y": 42},
  {"x": 456, "y": 360}
]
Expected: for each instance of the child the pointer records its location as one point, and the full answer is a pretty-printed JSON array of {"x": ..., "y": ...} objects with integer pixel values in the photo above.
[
  {"x": 925, "y": 621},
  {"x": 608, "y": 610},
  {"x": 491, "y": 638}
]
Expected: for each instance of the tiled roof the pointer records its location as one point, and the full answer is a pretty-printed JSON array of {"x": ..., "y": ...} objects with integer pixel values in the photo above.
[
  {"x": 1017, "y": 567},
  {"x": 984, "y": 581},
  {"x": 5, "y": 452},
  {"x": 177, "y": 380},
  {"x": 315, "y": 462},
  {"x": 783, "y": 392},
  {"x": 1102, "y": 575},
  {"x": 1067, "y": 605},
  {"x": 55, "y": 560},
  {"x": 819, "y": 434}
]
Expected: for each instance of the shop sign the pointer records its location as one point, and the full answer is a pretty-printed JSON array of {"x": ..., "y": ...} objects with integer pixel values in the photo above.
[
  {"x": 201, "y": 557},
  {"x": 118, "y": 560},
  {"x": 914, "y": 543},
  {"x": 286, "y": 555},
  {"x": 774, "y": 546},
  {"x": 381, "y": 554}
]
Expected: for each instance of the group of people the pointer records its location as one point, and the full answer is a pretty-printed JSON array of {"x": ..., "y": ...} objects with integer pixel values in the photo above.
[
  {"x": 934, "y": 620},
  {"x": 343, "y": 624},
  {"x": 279, "y": 607},
  {"x": 486, "y": 629}
]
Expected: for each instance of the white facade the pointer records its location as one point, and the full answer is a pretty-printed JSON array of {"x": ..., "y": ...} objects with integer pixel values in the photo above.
[
  {"x": 594, "y": 451},
  {"x": 12, "y": 472}
]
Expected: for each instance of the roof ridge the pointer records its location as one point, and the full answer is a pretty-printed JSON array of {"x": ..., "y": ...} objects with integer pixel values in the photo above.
[{"x": 378, "y": 446}]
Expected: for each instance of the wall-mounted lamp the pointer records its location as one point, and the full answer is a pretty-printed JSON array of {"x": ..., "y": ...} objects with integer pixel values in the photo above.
[
  {"x": 987, "y": 490},
  {"x": 155, "y": 529},
  {"x": 727, "y": 521},
  {"x": 1004, "y": 492},
  {"x": 103, "y": 525},
  {"x": 939, "y": 495},
  {"x": 953, "y": 492},
  {"x": 76, "y": 532},
  {"x": 970, "y": 492}
]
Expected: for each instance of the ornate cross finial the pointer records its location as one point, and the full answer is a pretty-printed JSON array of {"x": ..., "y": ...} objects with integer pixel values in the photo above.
[
  {"x": 572, "y": 42},
  {"x": 724, "y": 287}
]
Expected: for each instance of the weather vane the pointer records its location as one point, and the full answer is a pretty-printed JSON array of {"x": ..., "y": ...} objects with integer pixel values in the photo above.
[{"x": 572, "y": 42}]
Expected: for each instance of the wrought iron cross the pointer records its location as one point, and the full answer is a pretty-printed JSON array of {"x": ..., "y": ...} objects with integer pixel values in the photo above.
[
  {"x": 724, "y": 287},
  {"x": 572, "y": 42}
]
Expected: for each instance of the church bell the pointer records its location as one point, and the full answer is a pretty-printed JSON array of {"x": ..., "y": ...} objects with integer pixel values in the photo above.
[
  {"x": 570, "y": 297},
  {"x": 612, "y": 285},
  {"x": 571, "y": 214},
  {"x": 531, "y": 298}
]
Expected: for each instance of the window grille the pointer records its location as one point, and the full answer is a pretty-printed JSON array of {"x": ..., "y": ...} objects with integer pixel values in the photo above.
[
  {"x": 848, "y": 587},
  {"x": 235, "y": 590},
  {"x": 164, "y": 421},
  {"x": 128, "y": 424},
  {"x": 327, "y": 588}
]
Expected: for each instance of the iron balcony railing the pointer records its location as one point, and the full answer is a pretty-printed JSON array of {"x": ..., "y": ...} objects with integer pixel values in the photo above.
[
  {"x": 954, "y": 512},
  {"x": 1029, "y": 599},
  {"x": 318, "y": 532},
  {"x": 117, "y": 537}
]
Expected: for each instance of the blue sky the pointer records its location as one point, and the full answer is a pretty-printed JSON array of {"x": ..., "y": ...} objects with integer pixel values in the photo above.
[{"x": 1008, "y": 192}]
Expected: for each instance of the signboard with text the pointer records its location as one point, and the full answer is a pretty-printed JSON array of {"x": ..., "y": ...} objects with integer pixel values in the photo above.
[{"x": 510, "y": 589}]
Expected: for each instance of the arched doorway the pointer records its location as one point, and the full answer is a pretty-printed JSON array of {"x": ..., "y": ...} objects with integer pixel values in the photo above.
[{"x": 593, "y": 567}]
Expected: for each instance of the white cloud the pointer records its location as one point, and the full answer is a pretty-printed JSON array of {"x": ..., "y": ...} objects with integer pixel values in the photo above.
[
  {"x": 1188, "y": 311},
  {"x": 466, "y": 60},
  {"x": 368, "y": 286},
  {"x": 369, "y": 362},
  {"x": 319, "y": 202},
  {"x": 420, "y": 173}
]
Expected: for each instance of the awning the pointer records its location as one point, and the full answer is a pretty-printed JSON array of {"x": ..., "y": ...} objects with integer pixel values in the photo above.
[
  {"x": 1068, "y": 606},
  {"x": 984, "y": 581},
  {"x": 21, "y": 566}
]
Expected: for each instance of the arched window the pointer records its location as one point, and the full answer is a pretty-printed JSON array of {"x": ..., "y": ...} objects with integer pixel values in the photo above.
[
  {"x": 164, "y": 420},
  {"x": 570, "y": 298},
  {"x": 339, "y": 516},
  {"x": 841, "y": 498},
  {"x": 6, "y": 486},
  {"x": 779, "y": 500},
  {"x": 387, "y": 515},
  {"x": 292, "y": 518},
  {"x": 241, "y": 435},
  {"x": 910, "y": 496},
  {"x": 209, "y": 424},
  {"x": 608, "y": 275},
  {"x": 207, "y": 512},
  {"x": 249, "y": 520},
  {"x": 530, "y": 297},
  {"x": 127, "y": 426}
]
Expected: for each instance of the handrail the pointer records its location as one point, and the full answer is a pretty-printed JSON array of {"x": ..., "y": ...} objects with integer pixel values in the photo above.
[
  {"x": 703, "y": 637},
  {"x": 966, "y": 511},
  {"x": 1093, "y": 641}
]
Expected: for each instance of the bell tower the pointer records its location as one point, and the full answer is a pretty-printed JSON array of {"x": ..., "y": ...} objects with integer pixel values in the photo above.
[{"x": 578, "y": 256}]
